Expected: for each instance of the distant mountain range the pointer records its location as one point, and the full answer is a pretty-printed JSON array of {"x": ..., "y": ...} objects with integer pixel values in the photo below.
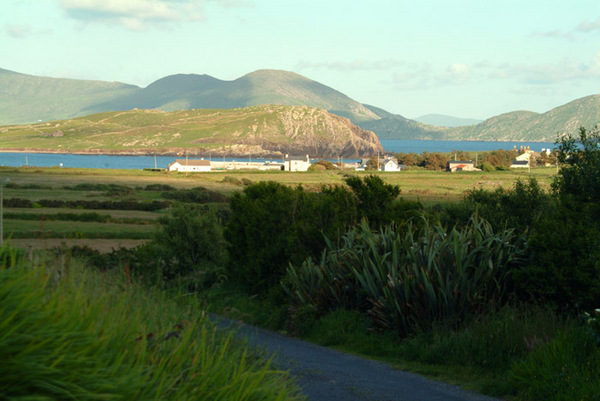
[
  {"x": 27, "y": 99},
  {"x": 442, "y": 120}
]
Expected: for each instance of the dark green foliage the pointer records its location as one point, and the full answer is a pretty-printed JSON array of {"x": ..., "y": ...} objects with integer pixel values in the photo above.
[
  {"x": 272, "y": 225},
  {"x": 86, "y": 217},
  {"x": 262, "y": 233},
  {"x": 87, "y": 204},
  {"x": 98, "y": 187},
  {"x": 14, "y": 185},
  {"x": 190, "y": 240},
  {"x": 375, "y": 199},
  {"x": 405, "y": 280},
  {"x": 159, "y": 187},
  {"x": 564, "y": 267},
  {"x": 499, "y": 158},
  {"x": 195, "y": 195},
  {"x": 519, "y": 207},
  {"x": 567, "y": 368},
  {"x": 579, "y": 177}
]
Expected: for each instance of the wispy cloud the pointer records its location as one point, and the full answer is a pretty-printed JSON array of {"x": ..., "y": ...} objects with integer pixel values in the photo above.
[
  {"x": 353, "y": 65},
  {"x": 545, "y": 74},
  {"x": 585, "y": 27},
  {"x": 24, "y": 31},
  {"x": 455, "y": 74},
  {"x": 134, "y": 14}
]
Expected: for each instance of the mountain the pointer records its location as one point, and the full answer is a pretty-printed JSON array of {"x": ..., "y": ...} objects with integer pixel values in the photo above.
[
  {"x": 442, "y": 120},
  {"x": 266, "y": 130},
  {"x": 191, "y": 91},
  {"x": 394, "y": 126},
  {"x": 530, "y": 126},
  {"x": 28, "y": 98}
]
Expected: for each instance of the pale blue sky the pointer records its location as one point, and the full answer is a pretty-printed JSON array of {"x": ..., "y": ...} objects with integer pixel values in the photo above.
[{"x": 467, "y": 58}]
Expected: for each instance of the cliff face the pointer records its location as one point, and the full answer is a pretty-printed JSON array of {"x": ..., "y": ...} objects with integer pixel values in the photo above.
[
  {"x": 303, "y": 130},
  {"x": 267, "y": 130}
]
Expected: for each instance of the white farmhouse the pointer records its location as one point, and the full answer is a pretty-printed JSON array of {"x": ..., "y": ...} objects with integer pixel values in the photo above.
[
  {"x": 296, "y": 163},
  {"x": 189, "y": 165},
  {"x": 390, "y": 164}
]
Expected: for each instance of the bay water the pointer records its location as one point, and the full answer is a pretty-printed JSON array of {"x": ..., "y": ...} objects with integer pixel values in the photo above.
[{"x": 141, "y": 162}]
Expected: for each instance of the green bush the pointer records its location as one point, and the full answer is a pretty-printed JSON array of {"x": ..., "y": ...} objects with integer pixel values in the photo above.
[
  {"x": 407, "y": 280},
  {"x": 190, "y": 241},
  {"x": 195, "y": 195},
  {"x": 520, "y": 207}
]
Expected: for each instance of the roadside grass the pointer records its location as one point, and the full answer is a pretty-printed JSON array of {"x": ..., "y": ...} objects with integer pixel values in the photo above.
[{"x": 73, "y": 333}]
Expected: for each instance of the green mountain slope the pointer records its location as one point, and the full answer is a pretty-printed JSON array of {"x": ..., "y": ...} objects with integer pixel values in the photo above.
[
  {"x": 27, "y": 98},
  {"x": 267, "y": 130},
  {"x": 530, "y": 126},
  {"x": 192, "y": 91}
]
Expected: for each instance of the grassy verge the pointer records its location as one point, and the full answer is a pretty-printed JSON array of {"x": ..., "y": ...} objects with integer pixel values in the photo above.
[{"x": 70, "y": 333}]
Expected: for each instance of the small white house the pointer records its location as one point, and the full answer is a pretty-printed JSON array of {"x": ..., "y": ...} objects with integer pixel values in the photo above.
[
  {"x": 296, "y": 163},
  {"x": 189, "y": 165},
  {"x": 523, "y": 160},
  {"x": 390, "y": 164}
]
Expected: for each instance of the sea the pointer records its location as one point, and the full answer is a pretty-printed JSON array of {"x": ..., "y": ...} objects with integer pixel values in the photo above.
[{"x": 142, "y": 162}]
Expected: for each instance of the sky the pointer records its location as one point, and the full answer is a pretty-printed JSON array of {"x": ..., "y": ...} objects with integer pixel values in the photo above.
[{"x": 464, "y": 58}]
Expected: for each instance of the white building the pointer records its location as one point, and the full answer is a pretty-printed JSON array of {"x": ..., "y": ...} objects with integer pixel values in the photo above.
[
  {"x": 390, "y": 164},
  {"x": 296, "y": 163},
  {"x": 189, "y": 165}
]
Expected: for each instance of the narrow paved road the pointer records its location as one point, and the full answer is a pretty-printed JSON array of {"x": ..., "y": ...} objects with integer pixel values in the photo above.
[{"x": 329, "y": 375}]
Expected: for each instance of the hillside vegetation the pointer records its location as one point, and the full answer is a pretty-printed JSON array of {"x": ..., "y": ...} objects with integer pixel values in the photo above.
[
  {"x": 267, "y": 130},
  {"x": 530, "y": 126}
]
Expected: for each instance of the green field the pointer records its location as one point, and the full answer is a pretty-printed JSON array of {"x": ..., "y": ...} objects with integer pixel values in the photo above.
[{"x": 35, "y": 185}]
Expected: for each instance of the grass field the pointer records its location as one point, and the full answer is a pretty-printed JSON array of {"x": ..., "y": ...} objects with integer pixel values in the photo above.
[{"x": 35, "y": 184}]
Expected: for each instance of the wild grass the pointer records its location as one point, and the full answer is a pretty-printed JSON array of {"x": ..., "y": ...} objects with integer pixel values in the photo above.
[{"x": 70, "y": 333}]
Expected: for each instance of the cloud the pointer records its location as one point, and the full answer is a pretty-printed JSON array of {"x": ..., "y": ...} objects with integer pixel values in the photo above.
[
  {"x": 23, "y": 31},
  {"x": 354, "y": 65},
  {"x": 456, "y": 73},
  {"x": 546, "y": 74},
  {"x": 586, "y": 27},
  {"x": 134, "y": 14}
]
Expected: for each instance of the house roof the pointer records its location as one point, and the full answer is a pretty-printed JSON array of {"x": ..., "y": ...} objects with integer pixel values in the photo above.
[
  {"x": 300, "y": 158},
  {"x": 192, "y": 162},
  {"x": 520, "y": 162},
  {"x": 460, "y": 162}
]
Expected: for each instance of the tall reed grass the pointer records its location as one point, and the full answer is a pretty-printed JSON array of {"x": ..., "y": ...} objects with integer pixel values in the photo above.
[
  {"x": 407, "y": 280},
  {"x": 70, "y": 333}
]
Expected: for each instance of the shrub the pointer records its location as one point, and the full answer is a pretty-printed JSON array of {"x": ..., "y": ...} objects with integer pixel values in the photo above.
[
  {"x": 520, "y": 207},
  {"x": 195, "y": 195},
  {"x": 190, "y": 241},
  {"x": 407, "y": 280}
]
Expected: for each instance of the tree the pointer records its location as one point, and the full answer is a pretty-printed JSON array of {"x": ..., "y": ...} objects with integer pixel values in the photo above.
[
  {"x": 189, "y": 239},
  {"x": 375, "y": 198},
  {"x": 579, "y": 176}
]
